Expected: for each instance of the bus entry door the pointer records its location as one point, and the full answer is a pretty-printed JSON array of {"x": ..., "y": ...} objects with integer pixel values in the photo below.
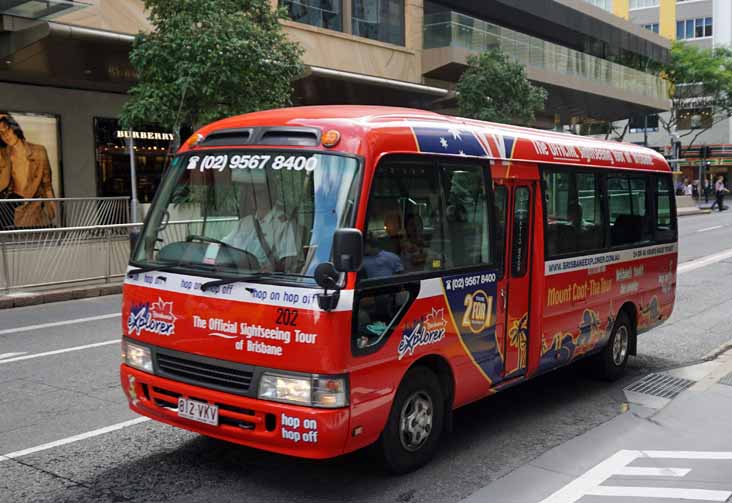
[{"x": 514, "y": 290}]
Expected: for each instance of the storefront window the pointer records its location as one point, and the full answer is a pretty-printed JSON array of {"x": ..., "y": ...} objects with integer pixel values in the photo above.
[
  {"x": 321, "y": 13},
  {"x": 113, "y": 158},
  {"x": 379, "y": 20},
  {"x": 29, "y": 169}
]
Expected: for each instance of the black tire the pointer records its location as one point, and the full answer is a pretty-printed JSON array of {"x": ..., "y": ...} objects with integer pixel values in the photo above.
[
  {"x": 609, "y": 364},
  {"x": 401, "y": 449}
]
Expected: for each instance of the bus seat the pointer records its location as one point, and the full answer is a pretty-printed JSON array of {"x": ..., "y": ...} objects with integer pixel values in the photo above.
[{"x": 627, "y": 229}]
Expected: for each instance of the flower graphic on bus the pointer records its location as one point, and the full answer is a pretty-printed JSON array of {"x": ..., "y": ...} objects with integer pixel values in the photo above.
[{"x": 518, "y": 337}]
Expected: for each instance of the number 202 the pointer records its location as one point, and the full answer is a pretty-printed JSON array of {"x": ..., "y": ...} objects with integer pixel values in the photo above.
[{"x": 286, "y": 316}]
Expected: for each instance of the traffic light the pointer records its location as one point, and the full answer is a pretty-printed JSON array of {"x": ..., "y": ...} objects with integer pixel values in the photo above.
[{"x": 705, "y": 152}]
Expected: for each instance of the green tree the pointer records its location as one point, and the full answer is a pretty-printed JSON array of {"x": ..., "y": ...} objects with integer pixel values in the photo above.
[
  {"x": 701, "y": 84},
  {"x": 209, "y": 59},
  {"x": 494, "y": 88}
]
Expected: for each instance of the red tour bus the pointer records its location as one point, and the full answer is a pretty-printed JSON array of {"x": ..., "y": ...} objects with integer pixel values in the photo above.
[{"x": 310, "y": 281}]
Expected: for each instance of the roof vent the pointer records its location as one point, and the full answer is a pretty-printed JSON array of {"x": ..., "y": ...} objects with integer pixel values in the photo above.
[
  {"x": 297, "y": 137},
  {"x": 227, "y": 137}
]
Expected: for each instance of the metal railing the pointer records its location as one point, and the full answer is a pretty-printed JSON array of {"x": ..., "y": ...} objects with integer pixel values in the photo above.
[
  {"x": 63, "y": 212},
  {"x": 38, "y": 258},
  {"x": 452, "y": 29}
]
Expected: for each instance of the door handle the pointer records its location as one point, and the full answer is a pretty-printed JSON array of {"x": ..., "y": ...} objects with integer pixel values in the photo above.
[{"x": 503, "y": 298}]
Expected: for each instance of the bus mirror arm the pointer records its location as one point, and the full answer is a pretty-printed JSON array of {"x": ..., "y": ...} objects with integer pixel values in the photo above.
[{"x": 326, "y": 276}]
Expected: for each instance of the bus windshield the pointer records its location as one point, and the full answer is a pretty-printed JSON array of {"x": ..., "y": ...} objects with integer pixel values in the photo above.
[{"x": 242, "y": 212}]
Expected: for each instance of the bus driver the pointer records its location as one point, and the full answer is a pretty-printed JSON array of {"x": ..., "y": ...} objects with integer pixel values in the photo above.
[{"x": 264, "y": 230}]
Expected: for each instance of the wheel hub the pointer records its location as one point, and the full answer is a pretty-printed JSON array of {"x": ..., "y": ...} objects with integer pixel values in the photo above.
[
  {"x": 415, "y": 421},
  {"x": 620, "y": 345}
]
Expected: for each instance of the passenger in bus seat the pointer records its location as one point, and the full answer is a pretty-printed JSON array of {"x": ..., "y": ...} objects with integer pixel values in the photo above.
[
  {"x": 377, "y": 262},
  {"x": 414, "y": 248}
]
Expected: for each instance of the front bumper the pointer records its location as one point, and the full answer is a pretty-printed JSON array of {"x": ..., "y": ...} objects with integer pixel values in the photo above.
[{"x": 286, "y": 429}]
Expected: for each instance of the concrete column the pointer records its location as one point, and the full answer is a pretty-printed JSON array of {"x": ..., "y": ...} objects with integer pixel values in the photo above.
[
  {"x": 413, "y": 24},
  {"x": 722, "y": 19},
  {"x": 667, "y": 19}
]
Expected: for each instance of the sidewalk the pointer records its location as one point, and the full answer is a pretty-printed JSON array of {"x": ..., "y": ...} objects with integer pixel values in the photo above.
[
  {"x": 662, "y": 450},
  {"x": 32, "y": 298}
]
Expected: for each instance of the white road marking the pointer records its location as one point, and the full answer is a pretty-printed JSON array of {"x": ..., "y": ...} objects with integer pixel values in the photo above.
[
  {"x": 591, "y": 482},
  {"x": 75, "y": 438},
  {"x": 10, "y": 355},
  {"x": 689, "y": 455},
  {"x": 695, "y": 264},
  {"x": 59, "y": 351},
  {"x": 652, "y": 471},
  {"x": 705, "y": 229},
  {"x": 28, "y": 328},
  {"x": 660, "y": 492}
]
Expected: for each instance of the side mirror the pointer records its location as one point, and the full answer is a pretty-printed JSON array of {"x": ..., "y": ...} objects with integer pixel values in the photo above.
[
  {"x": 326, "y": 277},
  {"x": 134, "y": 238},
  {"x": 347, "y": 250}
]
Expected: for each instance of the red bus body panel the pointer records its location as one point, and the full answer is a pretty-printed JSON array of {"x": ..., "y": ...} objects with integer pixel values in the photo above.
[{"x": 572, "y": 304}]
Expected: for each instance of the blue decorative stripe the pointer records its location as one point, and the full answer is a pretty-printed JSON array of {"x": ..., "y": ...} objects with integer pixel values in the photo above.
[{"x": 440, "y": 140}]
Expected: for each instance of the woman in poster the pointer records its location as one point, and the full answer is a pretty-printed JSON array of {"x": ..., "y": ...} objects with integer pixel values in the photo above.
[{"x": 25, "y": 173}]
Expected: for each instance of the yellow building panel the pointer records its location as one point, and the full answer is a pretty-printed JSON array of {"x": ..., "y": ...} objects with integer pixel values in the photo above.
[
  {"x": 621, "y": 8},
  {"x": 667, "y": 19}
]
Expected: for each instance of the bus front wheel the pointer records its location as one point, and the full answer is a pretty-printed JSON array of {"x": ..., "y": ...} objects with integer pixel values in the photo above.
[
  {"x": 611, "y": 361},
  {"x": 415, "y": 424}
]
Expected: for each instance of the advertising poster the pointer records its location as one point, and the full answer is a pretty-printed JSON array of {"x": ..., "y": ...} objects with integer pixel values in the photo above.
[{"x": 29, "y": 169}]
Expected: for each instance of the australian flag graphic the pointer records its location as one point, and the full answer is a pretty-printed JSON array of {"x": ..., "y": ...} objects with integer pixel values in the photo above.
[{"x": 441, "y": 140}]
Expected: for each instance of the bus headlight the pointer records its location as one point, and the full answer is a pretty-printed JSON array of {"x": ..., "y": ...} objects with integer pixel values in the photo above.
[
  {"x": 137, "y": 356},
  {"x": 314, "y": 391}
]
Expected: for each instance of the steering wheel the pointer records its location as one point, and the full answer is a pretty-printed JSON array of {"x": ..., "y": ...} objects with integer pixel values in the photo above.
[{"x": 247, "y": 259}]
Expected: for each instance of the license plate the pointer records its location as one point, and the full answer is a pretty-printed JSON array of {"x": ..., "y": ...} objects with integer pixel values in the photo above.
[{"x": 198, "y": 411}]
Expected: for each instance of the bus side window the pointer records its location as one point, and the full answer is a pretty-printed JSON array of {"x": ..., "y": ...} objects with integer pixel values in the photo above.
[
  {"x": 501, "y": 200},
  {"x": 520, "y": 238},
  {"x": 665, "y": 223},
  {"x": 404, "y": 222},
  {"x": 639, "y": 187},
  {"x": 468, "y": 239},
  {"x": 629, "y": 215},
  {"x": 377, "y": 312},
  {"x": 574, "y": 212}
]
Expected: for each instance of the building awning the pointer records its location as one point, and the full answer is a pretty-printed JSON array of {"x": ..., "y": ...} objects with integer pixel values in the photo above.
[
  {"x": 55, "y": 54},
  {"x": 39, "y": 9},
  {"x": 326, "y": 86}
]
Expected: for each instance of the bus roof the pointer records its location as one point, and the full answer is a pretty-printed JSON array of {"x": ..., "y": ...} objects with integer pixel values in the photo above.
[{"x": 406, "y": 130}]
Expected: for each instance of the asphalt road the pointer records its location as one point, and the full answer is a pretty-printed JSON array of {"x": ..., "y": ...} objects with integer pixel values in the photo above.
[{"x": 52, "y": 397}]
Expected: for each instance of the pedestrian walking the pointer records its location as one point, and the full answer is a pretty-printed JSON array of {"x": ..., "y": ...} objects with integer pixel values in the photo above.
[{"x": 720, "y": 190}]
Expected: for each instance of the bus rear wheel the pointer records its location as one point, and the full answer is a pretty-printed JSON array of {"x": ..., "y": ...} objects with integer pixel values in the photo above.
[
  {"x": 415, "y": 424},
  {"x": 610, "y": 363}
]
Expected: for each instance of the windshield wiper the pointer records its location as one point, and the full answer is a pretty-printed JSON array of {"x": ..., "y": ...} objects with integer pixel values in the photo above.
[
  {"x": 228, "y": 281},
  {"x": 150, "y": 268},
  {"x": 247, "y": 277}
]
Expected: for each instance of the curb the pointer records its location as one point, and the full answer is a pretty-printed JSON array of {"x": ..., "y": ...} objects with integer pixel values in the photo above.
[
  {"x": 22, "y": 299},
  {"x": 694, "y": 211}
]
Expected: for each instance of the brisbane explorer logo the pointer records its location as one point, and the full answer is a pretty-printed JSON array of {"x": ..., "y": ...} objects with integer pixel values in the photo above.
[
  {"x": 427, "y": 331},
  {"x": 156, "y": 318}
]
